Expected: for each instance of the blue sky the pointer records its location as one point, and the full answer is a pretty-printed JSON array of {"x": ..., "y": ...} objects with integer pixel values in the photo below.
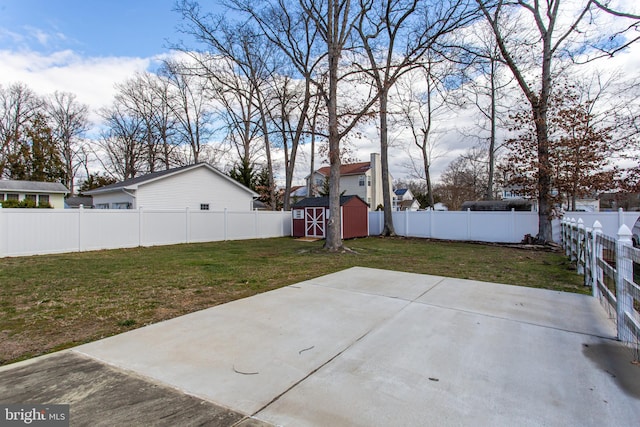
[
  {"x": 86, "y": 47},
  {"x": 136, "y": 28}
]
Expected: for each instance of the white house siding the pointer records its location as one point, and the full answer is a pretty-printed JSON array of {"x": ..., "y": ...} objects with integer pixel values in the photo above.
[
  {"x": 110, "y": 200},
  {"x": 191, "y": 189},
  {"x": 350, "y": 185}
]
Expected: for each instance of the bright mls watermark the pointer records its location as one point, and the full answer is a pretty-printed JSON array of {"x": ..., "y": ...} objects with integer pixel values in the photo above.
[{"x": 34, "y": 415}]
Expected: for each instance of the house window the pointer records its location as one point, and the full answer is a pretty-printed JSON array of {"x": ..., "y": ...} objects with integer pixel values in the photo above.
[
  {"x": 1, "y": 197},
  {"x": 121, "y": 205},
  {"x": 361, "y": 180},
  {"x": 204, "y": 206},
  {"x": 43, "y": 199},
  {"x": 30, "y": 197},
  {"x": 369, "y": 181},
  {"x": 102, "y": 206},
  {"x": 12, "y": 197}
]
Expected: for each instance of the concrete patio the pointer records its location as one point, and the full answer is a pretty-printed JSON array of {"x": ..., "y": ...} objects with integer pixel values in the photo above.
[{"x": 361, "y": 347}]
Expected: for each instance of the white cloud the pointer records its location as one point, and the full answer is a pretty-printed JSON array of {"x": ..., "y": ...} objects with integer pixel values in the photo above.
[{"x": 91, "y": 79}]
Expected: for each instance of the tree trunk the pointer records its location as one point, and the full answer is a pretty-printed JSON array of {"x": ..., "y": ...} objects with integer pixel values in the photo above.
[
  {"x": 492, "y": 137},
  {"x": 388, "y": 229},
  {"x": 333, "y": 241},
  {"x": 544, "y": 175}
]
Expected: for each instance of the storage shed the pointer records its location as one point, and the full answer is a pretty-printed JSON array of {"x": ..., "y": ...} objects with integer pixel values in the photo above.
[{"x": 310, "y": 215}]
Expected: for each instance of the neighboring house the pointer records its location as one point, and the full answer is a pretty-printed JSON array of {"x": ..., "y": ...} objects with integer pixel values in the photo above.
[
  {"x": 309, "y": 217},
  {"x": 588, "y": 204},
  {"x": 614, "y": 201},
  {"x": 405, "y": 201},
  {"x": 358, "y": 179},
  {"x": 297, "y": 193},
  {"x": 198, "y": 187},
  {"x": 39, "y": 192}
]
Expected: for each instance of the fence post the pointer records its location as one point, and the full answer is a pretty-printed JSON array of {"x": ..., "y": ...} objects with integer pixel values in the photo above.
[
  {"x": 572, "y": 239},
  {"x": 431, "y": 213},
  {"x": 624, "y": 271},
  {"x": 140, "y": 221},
  {"x": 255, "y": 223},
  {"x": 406, "y": 223},
  {"x": 620, "y": 217},
  {"x": 80, "y": 218},
  {"x": 187, "y": 224},
  {"x": 580, "y": 241},
  {"x": 596, "y": 253},
  {"x": 565, "y": 235},
  {"x": 468, "y": 223},
  {"x": 3, "y": 233},
  {"x": 225, "y": 224}
]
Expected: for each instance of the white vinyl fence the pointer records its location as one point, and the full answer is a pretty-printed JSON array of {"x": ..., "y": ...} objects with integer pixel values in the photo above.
[
  {"x": 610, "y": 221},
  {"x": 46, "y": 231},
  {"x": 503, "y": 227},
  {"x": 611, "y": 267}
]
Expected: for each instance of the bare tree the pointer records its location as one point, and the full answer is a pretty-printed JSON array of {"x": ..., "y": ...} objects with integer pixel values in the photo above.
[
  {"x": 396, "y": 34},
  {"x": 423, "y": 101},
  {"x": 537, "y": 53},
  {"x": 335, "y": 20},
  {"x": 464, "y": 179},
  {"x": 189, "y": 106},
  {"x": 121, "y": 150},
  {"x": 69, "y": 120},
  {"x": 249, "y": 56},
  {"x": 487, "y": 87},
  {"x": 18, "y": 106},
  {"x": 146, "y": 96},
  {"x": 293, "y": 32}
]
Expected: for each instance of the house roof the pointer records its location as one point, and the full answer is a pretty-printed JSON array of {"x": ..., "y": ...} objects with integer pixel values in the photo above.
[
  {"x": 323, "y": 201},
  {"x": 32, "y": 186},
  {"x": 298, "y": 191},
  {"x": 348, "y": 169},
  {"x": 400, "y": 191},
  {"x": 134, "y": 183},
  {"x": 76, "y": 201}
]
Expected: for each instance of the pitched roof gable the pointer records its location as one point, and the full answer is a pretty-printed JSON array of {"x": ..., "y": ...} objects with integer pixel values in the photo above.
[
  {"x": 133, "y": 183},
  {"x": 347, "y": 169}
]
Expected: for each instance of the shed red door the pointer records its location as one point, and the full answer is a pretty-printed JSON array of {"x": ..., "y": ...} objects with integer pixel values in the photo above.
[{"x": 314, "y": 222}]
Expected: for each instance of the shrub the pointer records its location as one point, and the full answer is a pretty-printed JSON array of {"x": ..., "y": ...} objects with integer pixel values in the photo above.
[{"x": 9, "y": 204}]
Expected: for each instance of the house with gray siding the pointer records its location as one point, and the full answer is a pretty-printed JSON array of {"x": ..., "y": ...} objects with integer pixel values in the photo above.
[{"x": 197, "y": 187}]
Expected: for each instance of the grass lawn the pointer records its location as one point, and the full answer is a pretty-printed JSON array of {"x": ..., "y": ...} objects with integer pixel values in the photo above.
[{"x": 57, "y": 301}]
